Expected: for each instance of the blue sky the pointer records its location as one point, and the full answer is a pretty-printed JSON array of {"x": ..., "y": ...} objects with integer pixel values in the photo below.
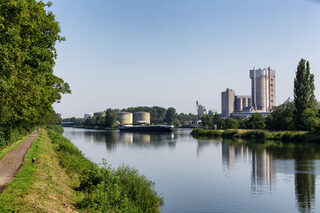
[{"x": 122, "y": 53}]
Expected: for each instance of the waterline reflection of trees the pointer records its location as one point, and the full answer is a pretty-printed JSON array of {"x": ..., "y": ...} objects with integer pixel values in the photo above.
[{"x": 268, "y": 160}]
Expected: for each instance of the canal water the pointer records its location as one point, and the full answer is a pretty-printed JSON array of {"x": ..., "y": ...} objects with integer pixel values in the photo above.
[{"x": 212, "y": 175}]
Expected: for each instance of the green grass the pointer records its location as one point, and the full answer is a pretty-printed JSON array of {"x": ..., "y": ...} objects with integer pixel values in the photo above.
[
  {"x": 9, "y": 148},
  {"x": 21, "y": 183},
  {"x": 284, "y": 136},
  {"x": 106, "y": 190},
  {"x": 63, "y": 180}
]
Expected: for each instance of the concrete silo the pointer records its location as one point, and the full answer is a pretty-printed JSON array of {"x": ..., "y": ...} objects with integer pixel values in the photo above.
[
  {"x": 141, "y": 117},
  {"x": 124, "y": 117},
  {"x": 263, "y": 89}
]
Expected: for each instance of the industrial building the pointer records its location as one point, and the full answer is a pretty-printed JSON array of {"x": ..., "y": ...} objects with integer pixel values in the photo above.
[
  {"x": 89, "y": 115},
  {"x": 227, "y": 102},
  {"x": 263, "y": 89},
  {"x": 124, "y": 118},
  {"x": 262, "y": 99},
  {"x": 201, "y": 110},
  {"x": 141, "y": 117},
  {"x": 99, "y": 114},
  {"x": 242, "y": 103}
]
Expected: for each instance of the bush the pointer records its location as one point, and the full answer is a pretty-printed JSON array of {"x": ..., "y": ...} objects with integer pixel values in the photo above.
[
  {"x": 56, "y": 128},
  {"x": 229, "y": 133},
  {"x": 106, "y": 190},
  {"x": 256, "y": 135},
  {"x": 287, "y": 137}
]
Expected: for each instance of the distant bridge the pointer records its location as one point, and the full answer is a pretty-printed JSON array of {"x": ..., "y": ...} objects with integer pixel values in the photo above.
[{"x": 67, "y": 124}]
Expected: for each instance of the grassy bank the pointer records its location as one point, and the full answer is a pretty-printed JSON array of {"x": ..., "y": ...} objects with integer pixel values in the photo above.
[
  {"x": 42, "y": 186},
  {"x": 284, "y": 136},
  {"x": 63, "y": 180}
]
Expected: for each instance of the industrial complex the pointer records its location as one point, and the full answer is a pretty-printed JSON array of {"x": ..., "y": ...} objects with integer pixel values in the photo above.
[
  {"x": 125, "y": 118},
  {"x": 262, "y": 99}
]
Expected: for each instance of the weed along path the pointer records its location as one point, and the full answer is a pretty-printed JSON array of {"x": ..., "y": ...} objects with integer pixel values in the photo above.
[{"x": 12, "y": 162}]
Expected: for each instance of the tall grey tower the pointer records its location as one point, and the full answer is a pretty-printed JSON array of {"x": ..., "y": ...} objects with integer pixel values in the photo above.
[
  {"x": 263, "y": 89},
  {"x": 227, "y": 102}
]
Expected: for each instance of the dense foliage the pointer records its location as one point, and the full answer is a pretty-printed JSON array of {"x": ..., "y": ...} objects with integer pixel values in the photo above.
[
  {"x": 158, "y": 115},
  {"x": 304, "y": 98},
  {"x": 301, "y": 114},
  {"x": 28, "y": 87},
  {"x": 106, "y": 190}
]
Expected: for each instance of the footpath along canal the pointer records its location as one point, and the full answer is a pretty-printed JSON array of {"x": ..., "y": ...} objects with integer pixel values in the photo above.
[{"x": 12, "y": 162}]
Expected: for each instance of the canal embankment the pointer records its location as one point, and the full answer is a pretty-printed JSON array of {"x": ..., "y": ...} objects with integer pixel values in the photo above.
[
  {"x": 284, "y": 136},
  {"x": 57, "y": 177}
]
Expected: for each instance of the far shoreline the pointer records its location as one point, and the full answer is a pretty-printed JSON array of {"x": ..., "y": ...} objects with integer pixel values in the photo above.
[{"x": 283, "y": 136}]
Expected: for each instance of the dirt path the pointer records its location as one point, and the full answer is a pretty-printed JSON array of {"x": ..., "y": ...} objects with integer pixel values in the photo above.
[{"x": 12, "y": 162}]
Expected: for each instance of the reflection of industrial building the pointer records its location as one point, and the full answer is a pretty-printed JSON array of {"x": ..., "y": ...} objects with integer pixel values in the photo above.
[
  {"x": 124, "y": 117},
  {"x": 230, "y": 153},
  {"x": 263, "y": 172},
  {"x": 141, "y": 117},
  {"x": 263, "y": 89}
]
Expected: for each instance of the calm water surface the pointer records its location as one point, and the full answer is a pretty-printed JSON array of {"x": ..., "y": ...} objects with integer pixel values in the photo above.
[{"x": 210, "y": 175}]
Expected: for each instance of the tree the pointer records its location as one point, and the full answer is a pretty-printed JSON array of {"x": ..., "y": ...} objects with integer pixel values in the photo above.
[
  {"x": 170, "y": 115},
  {"x": 110, "y": 118},
  {"x": 256, "y": 121},
  {"x": 28, "y": 87},
  {"x": 231, "y": 123},
  {"x": 304, "y": 97},
  {"x": 282, "y": 117},
  {"x": 207, "y": 121}
]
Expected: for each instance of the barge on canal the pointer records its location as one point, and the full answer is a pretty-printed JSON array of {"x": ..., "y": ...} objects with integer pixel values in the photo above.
[{"x": 146, "y": 128}]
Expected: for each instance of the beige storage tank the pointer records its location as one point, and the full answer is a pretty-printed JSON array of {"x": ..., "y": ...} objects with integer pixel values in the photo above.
[
  {"x": 124, "y": 117},
  {"x": 141, "y": 117}
]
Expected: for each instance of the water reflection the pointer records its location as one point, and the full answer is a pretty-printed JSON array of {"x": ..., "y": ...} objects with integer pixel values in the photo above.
[
  {"x": 234, "y": 153},
  {"x": 267, "y": 168},
  {"x": 114, "y": 138},
  {"x": 263, "y": 175},
  {"x": 305, "y": 185},
  {"x": 267, "y": 161}
]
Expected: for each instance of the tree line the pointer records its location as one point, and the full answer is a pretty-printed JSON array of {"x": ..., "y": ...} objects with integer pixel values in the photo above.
[
  {"x": 301, "y": 114},
  {"x": 28, "y": 86},
  {"x": 158, "y": 115}
]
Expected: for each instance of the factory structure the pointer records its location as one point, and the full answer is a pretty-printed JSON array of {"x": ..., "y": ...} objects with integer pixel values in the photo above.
[
  {"x": 262, "y": 99},
  {"x": 201, "y": 110},
  {"x": 128, "y": 118},
  {"x": 125, "y": 118}
]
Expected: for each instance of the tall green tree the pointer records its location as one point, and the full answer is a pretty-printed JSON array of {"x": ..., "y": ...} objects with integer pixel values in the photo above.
[
  {"x": 170, "y": 115},
  {"x": 28, "y": 86},
  {"x": 304, "y": 97},
  {"x": 110, "y": 118}
]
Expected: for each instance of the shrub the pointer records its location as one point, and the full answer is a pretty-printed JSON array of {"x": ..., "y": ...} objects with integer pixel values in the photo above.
[
  {"x": 229, "y": 133},
  {"x": 106, "y": 190},
  {"x": 287, "y": 137}
]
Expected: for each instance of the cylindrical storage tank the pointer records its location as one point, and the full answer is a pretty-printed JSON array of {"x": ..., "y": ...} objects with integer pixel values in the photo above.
[
  {"x": 141, "y": 117},
  {"x": 125, "y": 117}
]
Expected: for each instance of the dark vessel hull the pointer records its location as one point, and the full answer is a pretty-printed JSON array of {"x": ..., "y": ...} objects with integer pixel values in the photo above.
[{"x": 161, "y": 128}]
